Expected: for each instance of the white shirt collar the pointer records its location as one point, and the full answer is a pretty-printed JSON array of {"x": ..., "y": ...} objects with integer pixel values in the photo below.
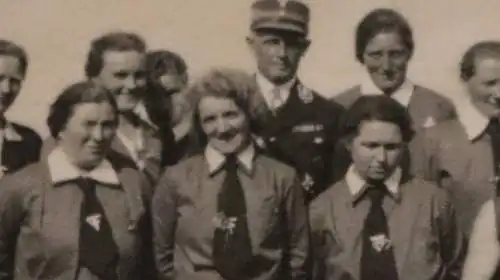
[
  {"x": 402, "y": 94},
  {"x": 215, "y": 159},
  {"x": 61, "y": 169},
  {"x": 141, "y": 111},
  {"x": 473, "y": 121},
  {"x": 357, "y": 184},
  {"x": 266, "y": 88}
]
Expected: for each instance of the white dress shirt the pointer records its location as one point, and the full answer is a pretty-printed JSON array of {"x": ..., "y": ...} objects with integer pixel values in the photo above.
[{"x": 270, "y": 90}]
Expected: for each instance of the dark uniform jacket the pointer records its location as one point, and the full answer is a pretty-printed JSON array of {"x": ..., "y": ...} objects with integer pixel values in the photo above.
[
  {"x": 302, "y": 133},
  {"x": 21, "y": 146}
]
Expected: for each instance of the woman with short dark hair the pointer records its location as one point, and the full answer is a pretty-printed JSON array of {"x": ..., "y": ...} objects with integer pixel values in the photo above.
[
  {"x": 229, "y": 212},
  {"x": 384, "y": 45},
  {"x": 79, "y": 213},
  {"x": 380, "y": 221}
]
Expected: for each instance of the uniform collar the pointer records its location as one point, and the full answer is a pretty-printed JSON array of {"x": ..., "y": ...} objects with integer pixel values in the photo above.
[
  {"x": 403, "y": 94},
  {"x": 61, "y": 169},
  {"x": 473, "y": 121},
  {"x": 357, "y": 185},
  {"x": 10, "y": 133},
  {"x": 141, "y": 111},
  {"x": 215, "y": 159},
  {"x": 266, "y": 88}
]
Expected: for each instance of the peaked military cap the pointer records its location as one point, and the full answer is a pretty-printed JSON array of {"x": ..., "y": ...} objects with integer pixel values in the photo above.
[{"x": 289, "y": 15}]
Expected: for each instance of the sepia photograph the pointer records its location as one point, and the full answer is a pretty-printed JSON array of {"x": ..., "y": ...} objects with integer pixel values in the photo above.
[{"x": 249, "y": 140}]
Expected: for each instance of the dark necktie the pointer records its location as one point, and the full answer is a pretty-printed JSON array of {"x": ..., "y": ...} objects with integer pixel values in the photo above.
[
  {"x": 98, "y": 250},
  {"x": 377, "y": 258},
  {"x": 232, "y": 249},
  {"x": 493, "y": 131}
]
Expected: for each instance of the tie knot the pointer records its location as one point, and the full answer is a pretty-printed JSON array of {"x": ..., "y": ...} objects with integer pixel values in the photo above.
[
  {"x": 494, "y": 126},
  {"x": 87, "y": 186},
  {"x": 376, "y": 193},
  {"x": 231, "y": 161}
]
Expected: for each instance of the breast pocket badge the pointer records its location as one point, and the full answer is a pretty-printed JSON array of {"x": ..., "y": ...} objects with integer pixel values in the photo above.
[{"x": 307, "y": 182}]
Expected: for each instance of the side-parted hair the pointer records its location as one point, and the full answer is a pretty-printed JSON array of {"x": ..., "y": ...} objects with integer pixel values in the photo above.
[
  {"x": 115, "y": 41},
  {"x": 377, "y": 108},
  {"x": 480, "y": 49},
  {"x": 63, "y": 107},
  {"x": 378, "y": 21},
  {"x": 227, "y": 83},
  {"x": 10, "y": 48},
  {"x": 159, "y": 62}
]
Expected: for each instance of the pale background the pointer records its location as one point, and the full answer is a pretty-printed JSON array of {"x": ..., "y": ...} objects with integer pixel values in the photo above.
[{"x": 209, "y": 33}]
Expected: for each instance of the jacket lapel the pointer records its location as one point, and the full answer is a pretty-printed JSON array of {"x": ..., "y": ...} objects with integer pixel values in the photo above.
[{"x": 287, "y": 116}]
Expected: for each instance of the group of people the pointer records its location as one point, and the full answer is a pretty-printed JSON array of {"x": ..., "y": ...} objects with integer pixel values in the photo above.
[{"x": 238, "y": 176}]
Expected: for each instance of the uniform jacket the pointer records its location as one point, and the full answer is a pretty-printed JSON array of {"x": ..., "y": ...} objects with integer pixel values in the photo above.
[
  {"x": 426, "y": 107},
  {"x": 21, "y": 146},
  {"x": 461, "y": 164},
  {"x": 302, "y": 133},
  {"x": 426, "y": 241},
  {"x": 184, "y": 208},
  {"x": 44, "y": 219}
]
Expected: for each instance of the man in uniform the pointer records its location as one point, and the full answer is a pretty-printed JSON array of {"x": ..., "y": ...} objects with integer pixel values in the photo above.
[
  {"x": 463, "y": 155},
  {"x": 294, "y": 124}
]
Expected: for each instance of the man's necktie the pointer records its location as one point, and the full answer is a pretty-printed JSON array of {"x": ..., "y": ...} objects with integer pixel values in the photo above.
[
  {"x": 232, "y": 249},
  {"x": 276, "y": 100},
  {"x": 377, "y": 258},
  {"x": 98, "y": 251},
  {"x": 493, "y": 131}
]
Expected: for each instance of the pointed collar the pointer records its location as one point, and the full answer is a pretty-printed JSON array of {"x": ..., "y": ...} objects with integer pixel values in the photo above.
[
  {"x": 141, "y": 111},
  {"x": 266, "y": 88},
  {"x": 357, "y": 185},
  {"x": 216, "y": 160},
  {"x": 61, "y": 169},
  {"x": 473, "y": 121},
  {"x": 10, "y": 133},
  {"x": 403, "y": 94}
]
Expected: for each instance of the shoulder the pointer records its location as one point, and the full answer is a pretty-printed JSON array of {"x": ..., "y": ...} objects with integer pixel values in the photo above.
[
  {"x": 319, "y": 106},
  {"x": 428, "y": 192},
  {"x": 24, "y": 180},
  {"x": 446, "y": 130},
  {"x": 323, "y": 200},
  {"x": 347, "y": 97},
  {"x": 277, "y": 167},
  {"x": 185, "y": 169},
  {"x": 432, "y": 96}
]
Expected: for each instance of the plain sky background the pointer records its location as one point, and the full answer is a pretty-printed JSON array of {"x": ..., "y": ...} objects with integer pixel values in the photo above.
[{"x": 209, "y": 33}]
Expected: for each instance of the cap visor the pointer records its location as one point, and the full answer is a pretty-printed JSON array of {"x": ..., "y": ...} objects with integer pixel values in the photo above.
[{"x": 280, "y": 26}]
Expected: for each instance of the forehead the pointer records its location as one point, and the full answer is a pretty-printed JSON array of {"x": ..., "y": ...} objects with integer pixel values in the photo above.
[
  {"x": 209, "y": 105},
  {"x": 379, "y": 131},
  {"x": 9, "y": 65},
  {"x": 123, "y": 59},
  {"x": 93, "y": 111},
  {"x": 487, "y": 66},
  {"x": 385, "y": 39}
]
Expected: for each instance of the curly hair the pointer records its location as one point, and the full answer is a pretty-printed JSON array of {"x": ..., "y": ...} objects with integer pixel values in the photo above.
[{"x": 228, "y": 83}]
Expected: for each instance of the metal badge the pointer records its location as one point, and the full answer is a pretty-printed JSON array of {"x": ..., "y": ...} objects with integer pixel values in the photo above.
[{"x": 305, "y": 94}]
